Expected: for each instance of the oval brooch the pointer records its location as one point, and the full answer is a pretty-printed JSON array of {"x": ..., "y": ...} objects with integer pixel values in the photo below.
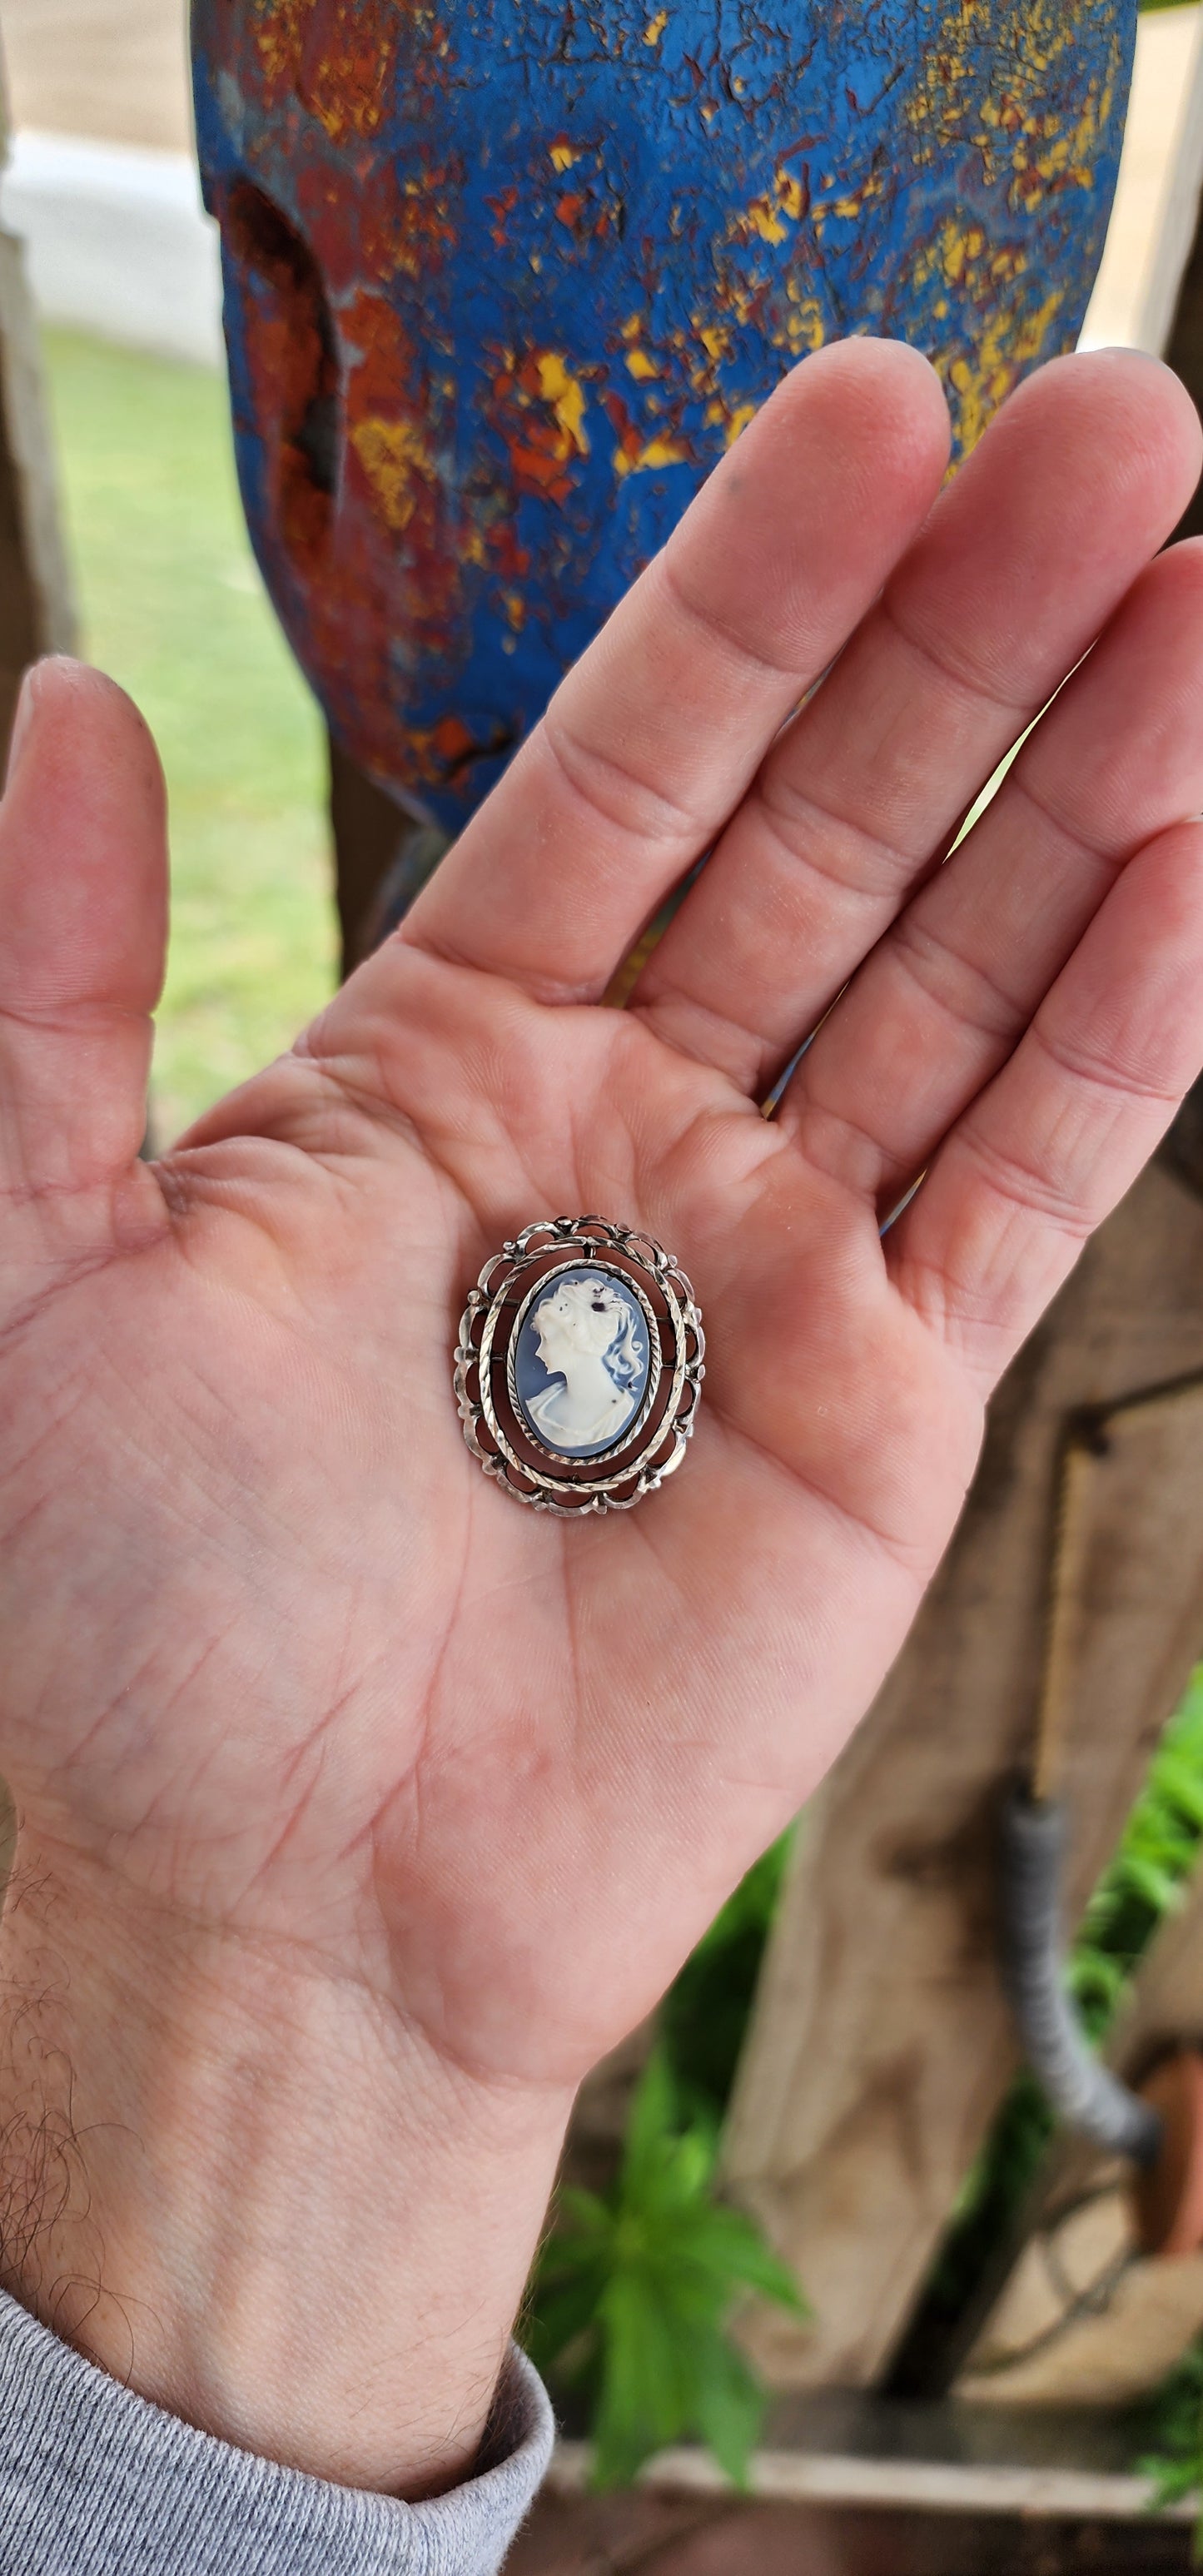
[{"x": 579, "y": 1366}]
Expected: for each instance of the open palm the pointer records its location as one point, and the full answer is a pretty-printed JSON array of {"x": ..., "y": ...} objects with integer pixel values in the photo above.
[{"x": 277, "y": 1659}]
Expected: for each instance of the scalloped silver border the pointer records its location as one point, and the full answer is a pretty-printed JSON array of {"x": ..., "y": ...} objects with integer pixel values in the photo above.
[{"x": 581, "y": 1238}]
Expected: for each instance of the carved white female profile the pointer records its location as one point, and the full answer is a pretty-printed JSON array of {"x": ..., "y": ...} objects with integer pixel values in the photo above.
[{"x": 590, "y": 1338}]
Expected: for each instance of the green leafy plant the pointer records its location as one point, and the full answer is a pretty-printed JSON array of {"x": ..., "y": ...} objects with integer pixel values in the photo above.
[
  {"x": 705, "y": 2014},
  {"x": 635, "y": 2288},
  {"x": 1146, "y": 1879},
  {"x": 630, "y": 2357},
  {"x": 1175, "y": 2424}
]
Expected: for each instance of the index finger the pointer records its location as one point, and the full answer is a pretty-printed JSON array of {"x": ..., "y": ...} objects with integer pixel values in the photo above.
[{"x": 654, "y": 737}]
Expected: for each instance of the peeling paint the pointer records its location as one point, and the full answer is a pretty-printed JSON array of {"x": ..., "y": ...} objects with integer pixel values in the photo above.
[{"x": 502, "y": 284}]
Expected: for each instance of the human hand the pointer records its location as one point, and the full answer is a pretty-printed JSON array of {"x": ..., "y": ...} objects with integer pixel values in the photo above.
[{"x": 361, "y": 1810}]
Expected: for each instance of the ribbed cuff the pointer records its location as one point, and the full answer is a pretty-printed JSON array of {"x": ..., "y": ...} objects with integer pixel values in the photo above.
[{"x": 97, "y": 2482}]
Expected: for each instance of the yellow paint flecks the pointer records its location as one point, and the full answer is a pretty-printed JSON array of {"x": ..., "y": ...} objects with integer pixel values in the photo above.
[
  {"x": 659, "y": 451},
  {"x": 1020, "y": 138},
  {"x": 715, "y": 338},
  {"x": 770, "y": 216},
  {"x": 655, "y": 27},
  {"x": 959, "y": 249},
  {"x": 393, "y": 458},
  {"x": 349, "y": 97},
  {"x": 641, "y": 366},
  {"x": 563, "y": 155},
  {"x": 663, "y": 451},
  {"x": 764, "y": 218},
  {"x": 982, "y": 382},
  {"x": 567, "y": 399},
  {"x": 806, "y": 324},
  {"x": 743, "y": 413}
]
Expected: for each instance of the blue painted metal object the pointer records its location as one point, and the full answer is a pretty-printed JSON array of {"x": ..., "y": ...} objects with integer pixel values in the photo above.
[{"x": 505, "y": 277}]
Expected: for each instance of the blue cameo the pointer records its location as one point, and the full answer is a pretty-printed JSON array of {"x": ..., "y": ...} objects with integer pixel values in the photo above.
[{"x": 582, "y": 1362}]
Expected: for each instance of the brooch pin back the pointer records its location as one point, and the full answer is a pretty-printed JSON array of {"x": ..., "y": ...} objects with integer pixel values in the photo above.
[{"x": 579, "y": 1366}]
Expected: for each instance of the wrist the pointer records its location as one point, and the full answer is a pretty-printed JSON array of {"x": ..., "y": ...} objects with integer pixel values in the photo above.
[{"x": 250, "y": 2192}]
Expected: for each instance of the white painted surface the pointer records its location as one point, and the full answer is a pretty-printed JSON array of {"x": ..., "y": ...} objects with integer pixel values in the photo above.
[
  {"x": 1156, "y": 202},
  {"x": 116, "y": 68},
  {"x": 827, "y": 2477},
  {"x": 117, "y": 242}
]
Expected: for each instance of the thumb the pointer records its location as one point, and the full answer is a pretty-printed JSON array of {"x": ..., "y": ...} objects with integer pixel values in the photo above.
[{"x": 83, "y": 925}]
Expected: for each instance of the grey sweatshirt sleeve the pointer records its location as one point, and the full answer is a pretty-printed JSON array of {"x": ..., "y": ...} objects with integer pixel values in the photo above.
[{"x": 97, "y": 2482}]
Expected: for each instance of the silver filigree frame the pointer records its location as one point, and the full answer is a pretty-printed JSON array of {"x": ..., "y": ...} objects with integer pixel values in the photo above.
[{"x": 677, "y": 1347}]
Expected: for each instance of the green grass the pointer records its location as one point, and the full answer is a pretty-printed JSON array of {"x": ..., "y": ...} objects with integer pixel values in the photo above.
[{"x": 172, "y": 605}]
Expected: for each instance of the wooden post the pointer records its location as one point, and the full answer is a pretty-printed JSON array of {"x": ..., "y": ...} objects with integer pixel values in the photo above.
[
  {"x": 1132, "y": 2338},
  {"x": 368, "y": 830},
  {"x": 881, "y": 2044},
  {"x": 36, "y": 609},
  {"x": 37, "y": 612},
  {"x": 1172, "y": 323},
  {"x": 812, "y": 2515}
]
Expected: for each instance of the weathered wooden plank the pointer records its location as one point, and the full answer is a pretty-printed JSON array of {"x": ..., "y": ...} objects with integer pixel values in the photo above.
[
  {"x": 1085, "y": 2319},
  {"x": 802, "y": 2473},
  {"x": 1132, "y": 2343},
  {"x": 36, "y": 608},
  {"x": 847, "y": 2518},
  {"x": 1180, "y": 266},
  {"x": 367, "y": 830},
  {"x": 881, "y": 2043},
  {"x": 37, "y": 613}
]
